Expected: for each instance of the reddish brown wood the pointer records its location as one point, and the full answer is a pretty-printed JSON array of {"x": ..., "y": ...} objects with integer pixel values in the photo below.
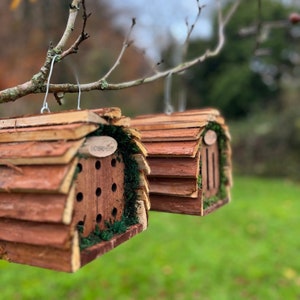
[
  {"x": 65, "y": 260},
  {"x": 179, "y": 117},
  {"x": 178, "y": 205},
  {"x": 184, "y": 187},
  {"x": 178, "y": 171},
  {"x": 33, "y": 207},
  {"x": 73, "y": 116},
  {"x": 43, "y": 197},
  {"x": 49, "y": 178},
  {"x": 169, "y": 149},
  {"x": 95, "y": 251},
  {"x": 181, "y": 134},
  {"x": 100, "y": 185},
  {"x": 35, "y": 233},
  {"x": 35, "y": 152},
  {"x": 47, "y": 133},
  {"x": 215, "y": 206},
  {"x": 168, "y": 125},
  {"x": 108, "y": 112},
  {"x": 210, "y": 171},
  {"x": 174, "y": 166}
]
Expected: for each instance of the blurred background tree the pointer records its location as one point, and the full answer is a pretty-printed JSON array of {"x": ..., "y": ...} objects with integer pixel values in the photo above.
[{"x": 254, "y": 81}]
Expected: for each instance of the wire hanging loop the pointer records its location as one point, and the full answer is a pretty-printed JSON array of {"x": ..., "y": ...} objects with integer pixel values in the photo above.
[
  {"x": 45, "y": 107},
  {"x": 169, "y": 109},
  {"x": 79, "y": 92}
]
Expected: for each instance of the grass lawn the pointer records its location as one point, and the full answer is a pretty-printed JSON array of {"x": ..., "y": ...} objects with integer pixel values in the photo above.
[{"x": 247, "y": 250}]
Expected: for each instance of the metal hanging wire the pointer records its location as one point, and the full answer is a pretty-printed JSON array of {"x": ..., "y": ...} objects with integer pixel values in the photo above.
[
  {"x": 45, "y": 107},
  {"x": 168, "y": 107},
  {"x": 79, "y": 91}
]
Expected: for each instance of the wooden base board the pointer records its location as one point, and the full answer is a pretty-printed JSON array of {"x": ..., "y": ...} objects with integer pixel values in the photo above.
[
  {"x": 215, "y": 206},
  {"x": 91, "y": 253},
  {"x": 183, "y": 205}
]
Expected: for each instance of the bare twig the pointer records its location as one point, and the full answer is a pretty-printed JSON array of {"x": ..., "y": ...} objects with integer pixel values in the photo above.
[
  {"x": 127, "y": 42},
  {"x": 74, "y": 8},
  {"x": 82, "y": 37},
  {"x": 190, "y": 30},
  {"x": 37, "y": 83}
]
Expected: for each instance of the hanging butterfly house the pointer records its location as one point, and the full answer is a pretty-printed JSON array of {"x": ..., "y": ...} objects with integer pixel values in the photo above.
[
  {"x": 189, "y": 156},
  {"x": 72, "y": 187}
]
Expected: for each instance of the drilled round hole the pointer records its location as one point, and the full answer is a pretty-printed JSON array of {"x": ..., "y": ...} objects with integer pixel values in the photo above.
[
  {"x": 98, "y": 192},
  {"x": 79, "y": 167},
  {"x": 79, "y": 197},
  {"x": 114, "y": 187},
  {"x": 113, "y": 162},
  {"x": 114, "y": 212},
  {"x": 98, "y": 218},
  {"x": 98, "y": 164}
]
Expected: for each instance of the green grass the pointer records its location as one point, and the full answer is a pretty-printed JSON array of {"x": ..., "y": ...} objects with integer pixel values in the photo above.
[{"x": 248, "y": 249}]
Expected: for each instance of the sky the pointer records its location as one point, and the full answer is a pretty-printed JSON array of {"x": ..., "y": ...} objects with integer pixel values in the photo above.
[{"x": 159, "y": 22}]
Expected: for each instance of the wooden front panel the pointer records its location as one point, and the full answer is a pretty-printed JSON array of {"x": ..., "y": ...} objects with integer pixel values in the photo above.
[
  {"x": 99, "y": 196},
  {"x": 210, "y": 171}
]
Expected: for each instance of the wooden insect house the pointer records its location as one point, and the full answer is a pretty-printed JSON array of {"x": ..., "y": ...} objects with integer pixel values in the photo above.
[
  {"x": 189, "y": 156},
  {"x": 72, "y": 187}
]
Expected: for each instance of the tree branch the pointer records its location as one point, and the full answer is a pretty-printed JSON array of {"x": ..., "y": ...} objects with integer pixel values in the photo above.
[
  {"x": 126, "y": 44},
  {"x": 74, "y": 8},
  {"x": 38, "y": 82}
]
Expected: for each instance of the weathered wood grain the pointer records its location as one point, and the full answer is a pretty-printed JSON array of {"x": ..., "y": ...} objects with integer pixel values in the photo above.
[
  {"x": 35, "y": 233},
  {"x": 33, "y": 178},
  {"x": 65, "y": 260},
  {"x": 177, "y": 134},
  {"x": 53, "y": 208},
  {"x": 170, "y": 149},
  {"x": 174, "y": 166},
  {"x": 76, "y": 116},
  {"x": 184, "y": 187},
  {"x": 39, "y": 153},
  {"x": 95, "y": 251},
  {"x": 99, "y": 192},
  {"x": 47, "y": 133}
]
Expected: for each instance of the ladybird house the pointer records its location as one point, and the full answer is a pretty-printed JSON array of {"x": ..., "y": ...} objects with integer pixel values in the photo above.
[
  {"x": 72, "y": 187},
  {"x": 190, "y": 160}
]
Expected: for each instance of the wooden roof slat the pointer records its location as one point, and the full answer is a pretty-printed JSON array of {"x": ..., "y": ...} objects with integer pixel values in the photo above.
[
  {"x": 177, "y": 134},
  {"x": 186, "y": 119},
  {"x": 192, "y": 112},
  {"x": 183, "y": 187},
  {"x": 183, "y": 167},
  {"x": 34, "y": 178},
  {"x": 171, "y": 149},
  {"x": 167, "y": 125},
  {"x": 42, "y": 234},
  {"x": 78, "y": 116},
  {"x": 53, "y": 208},
  {"x": 175, "y": 204},
  {"x": 36, "y": 152},
  {"x": 108, "y": 112},
  {"x": 174, "y": 118},
  {"x": 66, "y": 260},
  {"x": 47, "y": 133}
]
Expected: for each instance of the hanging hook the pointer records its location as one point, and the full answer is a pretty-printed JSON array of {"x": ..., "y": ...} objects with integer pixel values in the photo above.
[{"x": 45, "y": 107}]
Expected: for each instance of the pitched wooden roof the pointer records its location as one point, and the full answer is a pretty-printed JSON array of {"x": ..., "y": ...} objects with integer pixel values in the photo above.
[
  {"x": 38, "y": 160},
  {"x": 173, "y": 143}
]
